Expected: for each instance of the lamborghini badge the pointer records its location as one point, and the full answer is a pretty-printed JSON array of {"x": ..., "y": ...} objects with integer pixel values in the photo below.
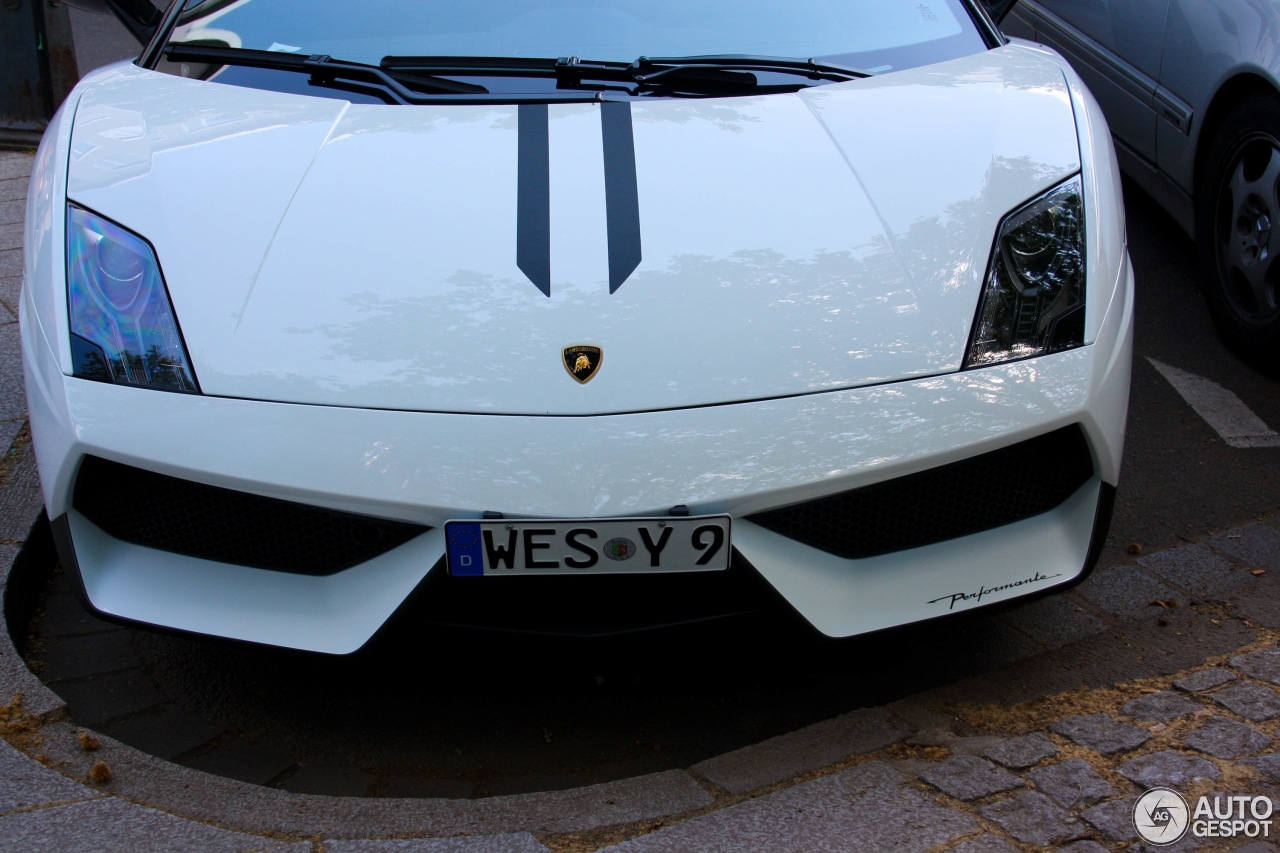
[{"x": 582, "y": 361}]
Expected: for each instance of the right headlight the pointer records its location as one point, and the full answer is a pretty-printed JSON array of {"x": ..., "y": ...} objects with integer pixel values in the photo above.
[
  {"x": 1033, "y": 301},
  {"x": 122, "y": 326}
]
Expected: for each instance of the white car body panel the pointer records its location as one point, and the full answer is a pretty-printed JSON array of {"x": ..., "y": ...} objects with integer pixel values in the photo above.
[
  {"x": 411, "y": 420},
  {"x": 401, "y": 221}
]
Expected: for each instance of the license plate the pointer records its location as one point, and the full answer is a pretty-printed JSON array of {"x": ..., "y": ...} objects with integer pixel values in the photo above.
[{"x": 590, "y": 546}]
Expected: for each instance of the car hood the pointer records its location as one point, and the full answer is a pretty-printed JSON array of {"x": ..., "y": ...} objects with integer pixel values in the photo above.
[{"x": 386, "y": 256}]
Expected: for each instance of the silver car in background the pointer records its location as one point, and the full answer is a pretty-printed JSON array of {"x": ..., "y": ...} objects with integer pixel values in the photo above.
[{"x": 1191, "y": 90}]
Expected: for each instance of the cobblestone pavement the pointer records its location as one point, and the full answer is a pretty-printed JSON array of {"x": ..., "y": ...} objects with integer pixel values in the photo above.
[{"x": 1166, "y": 675}]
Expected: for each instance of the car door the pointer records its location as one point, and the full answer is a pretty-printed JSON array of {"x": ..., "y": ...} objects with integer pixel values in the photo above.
[{"x": 1116, "y": 46}]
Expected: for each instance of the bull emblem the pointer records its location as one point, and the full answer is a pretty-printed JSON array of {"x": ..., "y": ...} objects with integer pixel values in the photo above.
[{"x": 582, "y": 361}]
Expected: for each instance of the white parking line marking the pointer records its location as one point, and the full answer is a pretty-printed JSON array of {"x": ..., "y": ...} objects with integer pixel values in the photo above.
[{"x": 1222, "y": 410}]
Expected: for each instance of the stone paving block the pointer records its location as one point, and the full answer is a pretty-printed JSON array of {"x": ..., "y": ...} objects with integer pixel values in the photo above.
[
  {"x": 1258, "y": 847},
  {"x": 1126, "y": 591},
  {"x": 25, "y": 783},
  {"x": 239, "y": 759},
  {"x": 105, "y": 697},
  {"x": 1267, "y": 765},
  {"x": 10, "y": 262},
  {"x": 64, "y": 616},
  {"x": 1262, "y": 609},
  {"x": 10, "y": 295},
  {"x": 514, "y": 842},
  {"x": 90, "y": 654},
  {"x": 1054, "y": 621},
  {"x": 11, "y": 235},
  {"x": 516, "y": 783},
  {"x": 16, "y": 167},
  {"x": 1033, "y": 818},
  {"x": 114, "y": 825},
  {"x": 1113, "y": 818},
  {"x": 167, "y": 730},
  {"x": 13, "y": 188},
  {"x": 420, "y": 788},
  {"x": 13, "y": 399},
  {"x": 984, "y": 844},
  {"x": 1022, "y": 752},
  {"x": 1168, "y": 768},
  {"x": 1071, "y": 783},
  {"x": 1263, "y": 664},
  {"x": 8, "y": 431},
  {"x": 1185, "y": 843},
  {"x": 1255, "y": 544},
  {"x": 1253, "y": 701},
  {"x": 328, "y": 779},
  {"x": 12, "y": 210},
  {"x": 15, "y": 679},
  {"x": 1102, "y": 732},
  {"x": 20, "y": 497},
  {"x": 1208, "y": 576},
  {"x": 870, "y": 802},
  {"x": 810, "y": 748},
  {"x": 1205, "y": 679},
  {"x": 1159, "y": 707},
  {"x": 968, "y": 777},
  {"x": 1084, "y": 847},
  {"x": 1225, "y": 738}
]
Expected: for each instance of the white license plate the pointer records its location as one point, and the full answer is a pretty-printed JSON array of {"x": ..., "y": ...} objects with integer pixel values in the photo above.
[{"x": 590, "y": 546}]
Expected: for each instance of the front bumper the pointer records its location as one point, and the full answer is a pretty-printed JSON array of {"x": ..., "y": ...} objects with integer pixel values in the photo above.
[{"x": 424, "y": 468}]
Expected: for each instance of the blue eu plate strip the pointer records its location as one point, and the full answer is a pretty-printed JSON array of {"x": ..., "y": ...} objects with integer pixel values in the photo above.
[{"x": 465, "y": 558}]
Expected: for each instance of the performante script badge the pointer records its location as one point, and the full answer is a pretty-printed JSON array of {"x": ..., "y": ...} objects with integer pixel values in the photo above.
[{"x": 582, "y": 361}]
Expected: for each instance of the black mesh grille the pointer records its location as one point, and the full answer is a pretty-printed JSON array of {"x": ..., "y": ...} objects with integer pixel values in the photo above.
[
  {"x": 171, "y": 514},
  {"x": 964, "y": 497}
]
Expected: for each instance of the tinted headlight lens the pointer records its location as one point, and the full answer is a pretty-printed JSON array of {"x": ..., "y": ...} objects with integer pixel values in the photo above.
[
  {"x": 1033, "y": 301},
  {"x": 122, "y": 324}
]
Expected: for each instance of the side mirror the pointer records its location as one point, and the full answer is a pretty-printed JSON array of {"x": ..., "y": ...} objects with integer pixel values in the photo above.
[
  {"x": 997, "y": 9},
  {"x": 140, "y": 17}
]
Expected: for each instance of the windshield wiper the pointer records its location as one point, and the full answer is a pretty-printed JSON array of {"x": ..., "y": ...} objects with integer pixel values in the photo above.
[
  {"x": 399, "y": 78},
  {"x": 403, "y": 88},
  {"x": 649, "y": 68},
  {"x": 695, "y": 74}
]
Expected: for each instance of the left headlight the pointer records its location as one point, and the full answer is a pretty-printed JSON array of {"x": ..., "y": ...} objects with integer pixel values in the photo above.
[
  {"x": 1033, "y": 301},
  {"x": 122, "y": 324}
]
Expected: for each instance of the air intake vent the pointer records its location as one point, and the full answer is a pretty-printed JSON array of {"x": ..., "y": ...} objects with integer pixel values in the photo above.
[
  {"x": 969, "y": 496},
  {"x": 226, "y": 526}
]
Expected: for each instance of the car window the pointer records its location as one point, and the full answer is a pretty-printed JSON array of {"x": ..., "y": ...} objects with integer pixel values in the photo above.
[{"x": 876, "y": 35}]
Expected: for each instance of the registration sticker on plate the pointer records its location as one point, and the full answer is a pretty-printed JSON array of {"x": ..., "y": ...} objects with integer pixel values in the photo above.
[{"x": 591, "y": 546}]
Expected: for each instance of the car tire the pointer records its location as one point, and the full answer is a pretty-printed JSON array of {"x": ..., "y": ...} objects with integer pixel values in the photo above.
[{"x": 1238, "y": 213}]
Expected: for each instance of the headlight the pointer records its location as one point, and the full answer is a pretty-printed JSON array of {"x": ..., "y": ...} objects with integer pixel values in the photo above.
[
  {"x": 122, "y": 324},
  {"x": 1033, "y": 301}
]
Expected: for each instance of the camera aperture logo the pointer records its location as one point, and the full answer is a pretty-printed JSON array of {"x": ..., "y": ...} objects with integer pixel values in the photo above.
[{"x": 1161, "y": 816}]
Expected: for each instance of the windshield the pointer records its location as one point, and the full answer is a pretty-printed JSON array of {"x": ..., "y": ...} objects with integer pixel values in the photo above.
[{"x": 873, "y": 35}]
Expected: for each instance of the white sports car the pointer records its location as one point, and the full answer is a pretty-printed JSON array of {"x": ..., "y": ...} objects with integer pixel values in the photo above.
[{"x": 547, "y": 314}]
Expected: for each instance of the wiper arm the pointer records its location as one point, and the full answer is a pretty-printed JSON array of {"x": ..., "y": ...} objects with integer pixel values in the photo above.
[
  {"x": 647, "y": 68},
  {"x": 325, "y": 69},
  {"x": 495, "y": 65}
]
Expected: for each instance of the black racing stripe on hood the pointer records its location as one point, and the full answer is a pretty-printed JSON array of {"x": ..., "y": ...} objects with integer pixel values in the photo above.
[
  {"x": 621, "y": 196},
  {"x": 533, "y": 195}
]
